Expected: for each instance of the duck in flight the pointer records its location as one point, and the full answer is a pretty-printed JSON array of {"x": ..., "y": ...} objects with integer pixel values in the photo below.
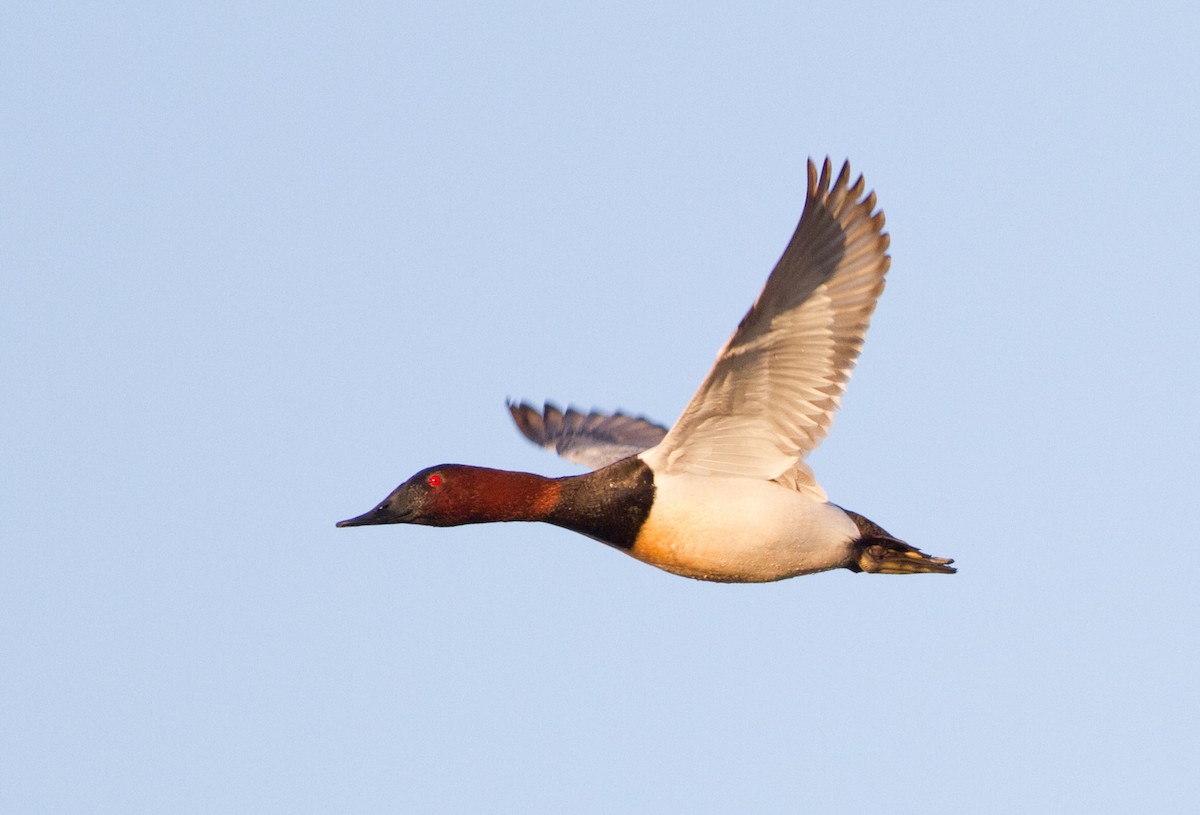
[{"x": 724, "y": 494}]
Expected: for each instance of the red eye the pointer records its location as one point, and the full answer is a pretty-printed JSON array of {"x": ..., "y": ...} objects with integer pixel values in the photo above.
[{"x": 435, "y": 481}]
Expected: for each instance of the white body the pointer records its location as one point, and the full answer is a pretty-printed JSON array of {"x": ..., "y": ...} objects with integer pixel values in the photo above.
[{"x": 741, "y": 530}]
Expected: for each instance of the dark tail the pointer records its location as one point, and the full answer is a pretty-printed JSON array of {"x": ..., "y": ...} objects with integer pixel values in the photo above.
[
  {"x": 877, "y": 551},
  {"x": 890, "y": 556}
]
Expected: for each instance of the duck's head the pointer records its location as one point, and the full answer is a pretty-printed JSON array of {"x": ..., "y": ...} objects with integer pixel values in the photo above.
[
  {"x": 433, "y": 497},
  {"x": 453, "y": 494}
]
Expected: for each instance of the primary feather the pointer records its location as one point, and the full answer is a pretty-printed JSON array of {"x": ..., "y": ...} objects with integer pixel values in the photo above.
[{"x": 771, "y": 396}]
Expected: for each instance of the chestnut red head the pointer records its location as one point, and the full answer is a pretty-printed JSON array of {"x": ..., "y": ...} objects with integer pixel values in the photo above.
[{"x": 453, "y": 494}]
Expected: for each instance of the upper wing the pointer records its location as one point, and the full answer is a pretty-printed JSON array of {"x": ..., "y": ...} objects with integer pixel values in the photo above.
[
  {"x": 771, "y": 395},
  {"x": 592, "y": 439}
]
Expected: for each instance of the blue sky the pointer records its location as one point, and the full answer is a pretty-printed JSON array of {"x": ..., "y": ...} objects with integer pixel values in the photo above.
[{"x": 261, "y": 263}]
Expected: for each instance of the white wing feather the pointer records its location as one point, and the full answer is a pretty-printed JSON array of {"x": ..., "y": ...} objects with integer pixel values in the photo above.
[{"x": 771, "y": 396}]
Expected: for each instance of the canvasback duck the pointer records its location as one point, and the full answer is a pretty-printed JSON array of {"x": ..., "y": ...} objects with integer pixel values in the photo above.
[{"x": 725, "y": 494}]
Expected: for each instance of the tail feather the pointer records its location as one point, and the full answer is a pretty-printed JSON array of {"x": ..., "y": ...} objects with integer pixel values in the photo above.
[
  {"x": 877, "y": 551},
  {"x": 891, "y": 556}
]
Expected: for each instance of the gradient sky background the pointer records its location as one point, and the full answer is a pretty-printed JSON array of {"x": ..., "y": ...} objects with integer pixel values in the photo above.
[{"x": 262, "y": 262}]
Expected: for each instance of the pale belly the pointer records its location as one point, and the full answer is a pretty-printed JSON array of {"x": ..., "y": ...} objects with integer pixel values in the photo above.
[{"x": 740, "y": 530}]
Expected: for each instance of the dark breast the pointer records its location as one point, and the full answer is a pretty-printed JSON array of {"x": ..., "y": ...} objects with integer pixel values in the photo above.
[{"x": 610, "y": 504}]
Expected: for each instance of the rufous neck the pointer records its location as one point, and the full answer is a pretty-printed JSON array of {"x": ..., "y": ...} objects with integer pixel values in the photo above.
[{"x": 504, "y": 495}]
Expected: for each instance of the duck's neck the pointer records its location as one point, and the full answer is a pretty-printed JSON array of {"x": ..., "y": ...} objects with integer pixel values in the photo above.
[
  {"x": 610, "y": 504},
  {"x": 503, "y": 495}
]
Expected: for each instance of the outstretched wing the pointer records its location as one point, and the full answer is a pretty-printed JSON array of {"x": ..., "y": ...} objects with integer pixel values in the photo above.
[
  {"x": 592, "y": 439},
  {"x": 771, "y": 396}
]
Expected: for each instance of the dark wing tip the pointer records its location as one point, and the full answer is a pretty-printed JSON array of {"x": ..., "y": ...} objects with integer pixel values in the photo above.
[
  {"x": 533, "y": 423},
  {"x": 585, "y": 437}
]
